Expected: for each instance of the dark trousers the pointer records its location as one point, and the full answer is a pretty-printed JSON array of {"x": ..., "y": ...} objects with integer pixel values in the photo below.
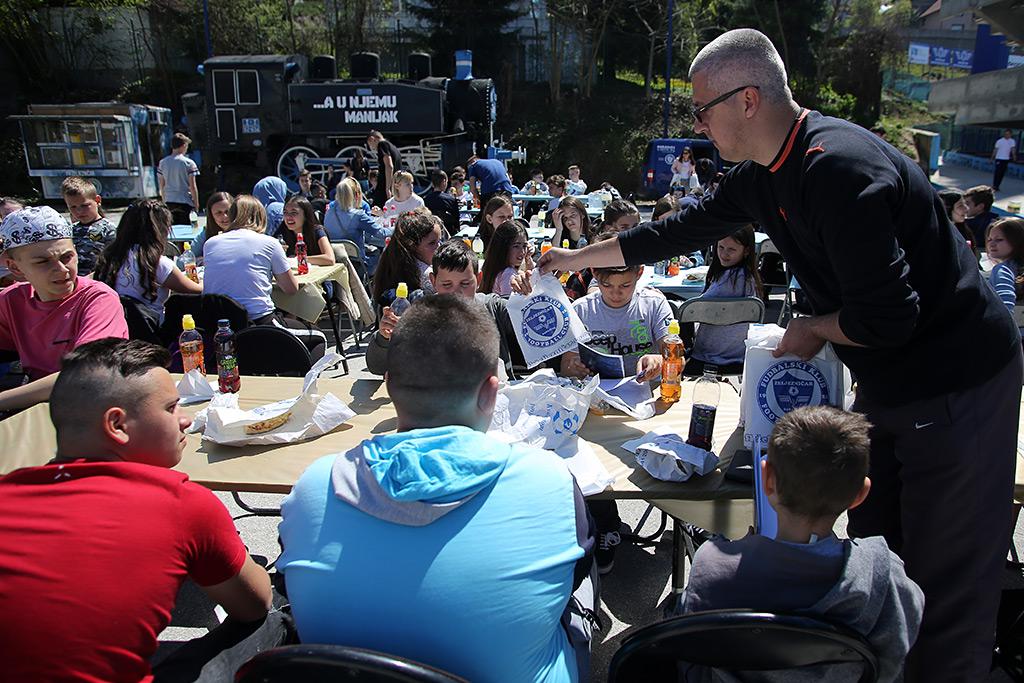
[
  {"x": 1000, "y": 171},
  {"x": 180, "y": 213},
  {"x": 605, "y": 514},
  {"x": 217, "y": 656},
  {"x": 942, "y": 473}
]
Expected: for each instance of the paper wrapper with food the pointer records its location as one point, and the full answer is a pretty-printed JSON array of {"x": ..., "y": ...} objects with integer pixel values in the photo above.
[{"x": 303, "y": 417}]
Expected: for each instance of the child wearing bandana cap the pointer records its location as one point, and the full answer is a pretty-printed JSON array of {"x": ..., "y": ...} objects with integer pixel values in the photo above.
[{"x": 54, "y": 310}]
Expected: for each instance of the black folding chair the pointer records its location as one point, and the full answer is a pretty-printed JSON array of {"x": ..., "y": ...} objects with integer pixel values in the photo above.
[
  {"x": 330, "y": 663},
  {"x": 265, "y": 350},
  {"x": 739, "y": 641},
  {"x": 142, "y": 322},
  {"x": 270, "y": 351}
]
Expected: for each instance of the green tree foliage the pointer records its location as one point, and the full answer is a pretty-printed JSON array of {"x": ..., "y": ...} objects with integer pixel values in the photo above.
[{"x": 468, "y": 25}]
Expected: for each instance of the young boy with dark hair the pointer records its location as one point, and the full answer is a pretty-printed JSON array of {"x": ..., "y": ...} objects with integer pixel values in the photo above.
[
  {"x": 441, "y": 203},
  {"x": 177, "y": 174},
  {"x": 556, "y": 188},
  {"x": 91, "y": 231},
  {"x": 54, "y": 310},
  {"x": 453, "y": 271},
  {"x": 623, "y": 321},
  {"x": 485, "y": 547},
  {"x": 977, "y": 204},
  {"x": 95, "y": 545},
  {"x": 816, "y": 469}
]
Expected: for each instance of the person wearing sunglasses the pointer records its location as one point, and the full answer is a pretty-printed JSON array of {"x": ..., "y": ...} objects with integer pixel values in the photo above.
[{"x": 894, "y": 288}]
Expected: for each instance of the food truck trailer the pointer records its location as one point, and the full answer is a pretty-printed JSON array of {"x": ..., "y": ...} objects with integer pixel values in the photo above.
[{"x": 116, "y": 145}]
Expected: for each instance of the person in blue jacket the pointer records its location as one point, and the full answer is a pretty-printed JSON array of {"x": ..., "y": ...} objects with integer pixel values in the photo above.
[
  {"x": 440, "y": 543},
  {"x": 346, "y": 218}
]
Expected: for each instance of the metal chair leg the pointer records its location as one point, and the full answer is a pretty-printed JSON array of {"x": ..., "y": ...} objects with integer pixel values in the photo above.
[
  {"x": 259, "y": 512},
  {"x": 682, "y": 549},
  {"x": 652, "y": 538},
  {"x": 337, "y": 337}
]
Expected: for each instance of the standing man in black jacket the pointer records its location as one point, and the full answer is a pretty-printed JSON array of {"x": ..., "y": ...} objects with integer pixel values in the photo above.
[{"x": 897, "y": 291}]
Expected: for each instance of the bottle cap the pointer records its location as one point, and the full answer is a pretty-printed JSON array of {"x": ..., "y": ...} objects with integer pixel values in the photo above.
[
  {"x": 402, "y": 290},
  {"x": 188, "y": 245},
  {"x": 673, "y": 327},
  {"x": 187, "y": 322}
]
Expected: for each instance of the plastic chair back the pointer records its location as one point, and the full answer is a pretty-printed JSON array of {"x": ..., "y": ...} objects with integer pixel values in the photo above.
[
  {"x": 330, "y": 663},
  {"x": 724, "y": 311},
  {"x": 142, "y": 322},
  {"x": 269, "y": 350},
  {"x": 176, "y": 306},
  {"x": 739, "y": 640},
  {"x": 213, "y": 307}
]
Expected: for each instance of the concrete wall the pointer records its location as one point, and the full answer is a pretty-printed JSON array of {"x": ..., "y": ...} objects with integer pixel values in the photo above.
[{"x": 993, "y": 98}]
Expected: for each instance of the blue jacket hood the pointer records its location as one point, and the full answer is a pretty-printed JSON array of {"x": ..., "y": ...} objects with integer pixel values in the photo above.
[
  {"x": 269, "y": 190},
  {"x": 418, "y": 476}
]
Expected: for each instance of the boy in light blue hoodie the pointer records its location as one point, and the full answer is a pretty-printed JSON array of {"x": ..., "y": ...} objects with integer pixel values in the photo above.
[{"x": 439, "y": 543}]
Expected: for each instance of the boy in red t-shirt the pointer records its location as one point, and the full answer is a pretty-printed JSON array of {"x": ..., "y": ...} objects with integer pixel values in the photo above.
[
  {"x": 53, "y": 312},
  {"x": 95, "y": 545}
]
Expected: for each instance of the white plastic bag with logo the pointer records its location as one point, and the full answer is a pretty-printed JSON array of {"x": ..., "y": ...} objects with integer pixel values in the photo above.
[
  {"x": 543, "y": 410},
  {"x": 545, "y": 323},
  {"x": 773, "y": 387}
]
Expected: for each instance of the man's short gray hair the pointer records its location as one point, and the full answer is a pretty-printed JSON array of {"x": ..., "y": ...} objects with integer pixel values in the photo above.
[{"x": 743, "y": 56}]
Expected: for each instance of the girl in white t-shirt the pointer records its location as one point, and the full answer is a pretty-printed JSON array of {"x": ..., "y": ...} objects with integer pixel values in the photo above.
[
  {"x": 243, "y": 263},
  {"x": 509, "y": 248},
  {"x": 682, "y": 168},
  {"x": 134, "y": 264},
  {"x": 403, "y": 198}
]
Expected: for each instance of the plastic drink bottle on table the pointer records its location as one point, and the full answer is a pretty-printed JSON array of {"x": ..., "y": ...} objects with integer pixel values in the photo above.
[
  {"x": 672, "y": 364},
  {"x": 188, "y": 263},
  {"x": 301, "y": 257},
  {"x": 673, "y": 267},
  {"x": 478, "y": 245},
  {"x": 228, "y": 379},
  {"x": 705, "y": 406},
  {"x": 401, "y": 303},
  {"x": 191, "y": 345}
]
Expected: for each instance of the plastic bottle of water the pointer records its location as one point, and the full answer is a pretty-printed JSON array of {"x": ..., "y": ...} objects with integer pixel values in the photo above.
[
  {"x": 227, "y": 362},
  {"x": 672, "y": 364},
  {"x": 300, "y": 254},
  {"x": 401, "y": 303},
  {"x": 705, "y": 406},
  {"x": 191, "y": 344},
  {"x": 478, "y": 245},
  {"x": 188, "y": 264}
]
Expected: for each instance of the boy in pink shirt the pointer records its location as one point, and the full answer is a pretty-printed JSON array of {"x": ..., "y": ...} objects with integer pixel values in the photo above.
[{"x": 55, "y": 310}]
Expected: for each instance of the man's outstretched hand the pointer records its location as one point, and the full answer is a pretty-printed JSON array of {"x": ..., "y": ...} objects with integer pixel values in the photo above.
[{"x": 557, "y": 259}]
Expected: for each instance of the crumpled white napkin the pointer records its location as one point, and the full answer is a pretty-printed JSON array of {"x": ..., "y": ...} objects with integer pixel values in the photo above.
[
  {"x": 668, "y": 457},
  {"x": 194, "y": 388}
]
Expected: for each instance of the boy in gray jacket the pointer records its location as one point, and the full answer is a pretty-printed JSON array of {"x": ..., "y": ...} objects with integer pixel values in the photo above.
[{"x": 816, "y": 469}]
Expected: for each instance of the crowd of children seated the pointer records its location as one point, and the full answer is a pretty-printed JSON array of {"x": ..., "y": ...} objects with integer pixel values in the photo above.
[{"x": 52, "y": 309}]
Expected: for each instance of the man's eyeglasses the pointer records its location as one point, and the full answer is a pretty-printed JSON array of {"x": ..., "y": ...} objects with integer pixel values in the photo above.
[{"x": 697, "y": 112}]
